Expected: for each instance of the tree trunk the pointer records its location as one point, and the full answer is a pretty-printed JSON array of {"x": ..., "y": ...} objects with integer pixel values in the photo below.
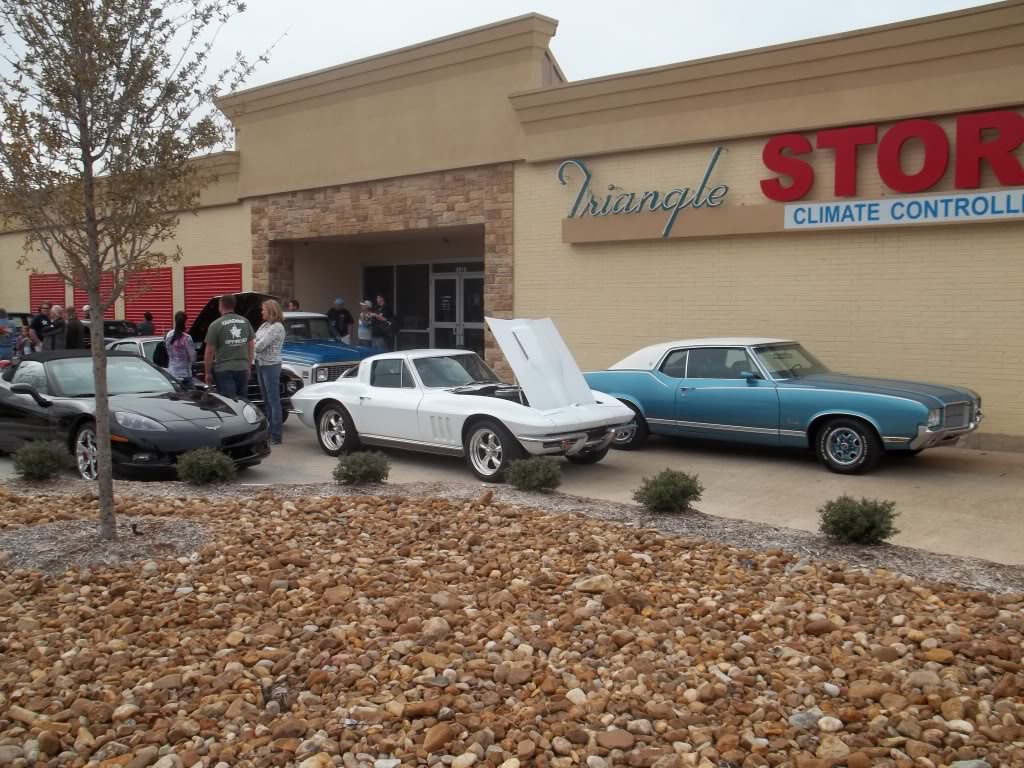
[{"x": 104, "y": 465}]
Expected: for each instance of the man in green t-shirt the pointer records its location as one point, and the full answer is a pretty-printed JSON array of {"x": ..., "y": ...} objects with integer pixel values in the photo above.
[{"x": 230, "y": 344}]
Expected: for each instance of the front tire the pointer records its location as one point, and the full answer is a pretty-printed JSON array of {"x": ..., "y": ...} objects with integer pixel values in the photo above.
[
  {"x": 590, "y": 457},
  {"x": 848, "y": 446},
  {"x": 490, "y": 448},
  {"x": 335, "y": 430},
  {"x": 85, "y": 451},
  {"x": 639, "y": 434}
]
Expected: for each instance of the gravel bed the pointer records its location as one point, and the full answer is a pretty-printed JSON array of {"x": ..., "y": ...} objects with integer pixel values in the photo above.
[
  {"x": 965, "y": 572},
  {"x": 54, "y": 547}
]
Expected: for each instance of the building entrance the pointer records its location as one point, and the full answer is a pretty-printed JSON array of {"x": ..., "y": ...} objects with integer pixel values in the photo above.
[
  {"x": 439, "y": 304},
  {"x": 457, "y": 308}
]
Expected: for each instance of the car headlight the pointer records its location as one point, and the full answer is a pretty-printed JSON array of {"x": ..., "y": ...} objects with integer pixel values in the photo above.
[
  {"x": 321, "y": 374},
  {"x": 293, "y": 386},
  {"x": 934, "y": 417},
  {"x": 252, "y": 415},
  {"x": 130, "y": 420}
]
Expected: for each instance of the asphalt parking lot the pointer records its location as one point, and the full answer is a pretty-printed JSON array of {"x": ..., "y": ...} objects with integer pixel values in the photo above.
[{"x": 955, "y": 501}]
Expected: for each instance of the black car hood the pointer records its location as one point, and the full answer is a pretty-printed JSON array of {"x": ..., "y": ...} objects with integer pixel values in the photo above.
[
  {"x": 177, "y": 406},
  {"x": 248, "y": 305}
]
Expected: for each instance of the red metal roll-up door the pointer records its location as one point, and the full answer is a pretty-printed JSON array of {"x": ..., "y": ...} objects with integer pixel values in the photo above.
[
  {"x": 151, "y": 291},
  {"x": 106, "y": 287},
  {"x": 43, "y": 288},
  {"x": 204, "y": 282}
]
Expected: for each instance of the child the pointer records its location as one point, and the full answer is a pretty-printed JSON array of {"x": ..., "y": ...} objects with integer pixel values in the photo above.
[{"x": 23, "y": 345}]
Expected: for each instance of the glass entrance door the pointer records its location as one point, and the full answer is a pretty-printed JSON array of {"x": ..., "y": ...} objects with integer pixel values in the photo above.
[{"x": 457, "y": 311}]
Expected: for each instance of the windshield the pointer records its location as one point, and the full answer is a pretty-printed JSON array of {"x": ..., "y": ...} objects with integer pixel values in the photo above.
[
  {"x": 789, "y": 361},
  {"x": 310, "y": 329},
  {"x": 125, "y": 376},
  {"x": 454, "y": 371}
]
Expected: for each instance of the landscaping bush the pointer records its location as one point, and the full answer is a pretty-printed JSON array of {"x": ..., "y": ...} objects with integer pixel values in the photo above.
[
  {"x": 41, "y": 460},
  {"x": 362, "y": 468},
  {"x": 868, "y": 521},
  {"x": 204, "y": 466},
  {"x": 669, "y": 491},
  {"x": 534, "y": 474}
]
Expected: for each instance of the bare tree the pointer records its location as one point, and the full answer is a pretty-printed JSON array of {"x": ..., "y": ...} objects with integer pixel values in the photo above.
[{"x": 106, "y": 104}]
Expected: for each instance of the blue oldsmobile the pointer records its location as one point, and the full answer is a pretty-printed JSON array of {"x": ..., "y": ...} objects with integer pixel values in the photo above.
[{"x": 774, "y": 392}]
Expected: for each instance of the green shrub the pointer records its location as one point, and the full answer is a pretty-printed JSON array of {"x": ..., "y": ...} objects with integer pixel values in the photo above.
[
  {"x": 362, "y": 468},
  {"x": 535, "y": 473},
  {"x": 204, "y": 466},
  {"x": 868, "y": 521},
  {"x": 41, "y": 460},
  {"x": 669, "y": 491}
]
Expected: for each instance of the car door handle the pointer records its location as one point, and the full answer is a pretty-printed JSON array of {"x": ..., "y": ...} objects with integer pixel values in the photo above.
[
  {"x": 365, "y": 397},
  {"x": 685, "y": 389}
]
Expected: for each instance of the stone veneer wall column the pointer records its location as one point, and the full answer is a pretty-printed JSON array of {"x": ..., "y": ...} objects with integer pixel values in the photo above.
[{"x": 480, "y": 195}]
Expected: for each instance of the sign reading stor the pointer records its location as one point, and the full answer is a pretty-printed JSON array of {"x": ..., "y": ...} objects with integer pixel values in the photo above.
[{"x": 982, "y": 138}]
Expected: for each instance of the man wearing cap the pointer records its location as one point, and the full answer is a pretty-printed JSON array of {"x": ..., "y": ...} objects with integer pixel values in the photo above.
[{"x": 341, "y": 319}]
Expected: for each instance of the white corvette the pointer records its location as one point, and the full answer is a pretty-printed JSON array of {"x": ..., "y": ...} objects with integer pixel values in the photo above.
[{"x": 451, "y": 402}]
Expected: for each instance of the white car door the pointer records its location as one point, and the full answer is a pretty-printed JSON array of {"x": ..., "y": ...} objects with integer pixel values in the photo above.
[{"x": 388, "y": 406}]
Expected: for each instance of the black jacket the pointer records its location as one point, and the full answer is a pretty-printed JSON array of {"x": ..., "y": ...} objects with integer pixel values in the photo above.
[
  {"x": 75, "y": 336},
  {"x": 382, "y": 328}
]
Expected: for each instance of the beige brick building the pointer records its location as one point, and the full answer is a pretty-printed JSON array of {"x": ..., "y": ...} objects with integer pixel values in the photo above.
[{"x": 431, "y": 174}]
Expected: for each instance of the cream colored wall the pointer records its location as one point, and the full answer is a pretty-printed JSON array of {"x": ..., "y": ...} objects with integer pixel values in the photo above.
[
  {"x": 212, "y": 236},
  {"x": 942, "y": 304},
  {"x": 454, "y": 117}
]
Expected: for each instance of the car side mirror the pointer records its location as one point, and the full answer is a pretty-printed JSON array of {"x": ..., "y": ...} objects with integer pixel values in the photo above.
[
  {"x": 28, "y": 389},
  {"x": 750, "y": 376}
]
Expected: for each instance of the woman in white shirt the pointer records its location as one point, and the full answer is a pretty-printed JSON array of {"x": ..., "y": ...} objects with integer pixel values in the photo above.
[{"x": 269, "y": 341}]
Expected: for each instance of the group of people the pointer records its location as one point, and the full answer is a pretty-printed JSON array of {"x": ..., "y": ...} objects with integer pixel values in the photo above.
[
  {"x": 376, "y": 326},
  {"x": 51, "y": 328}
]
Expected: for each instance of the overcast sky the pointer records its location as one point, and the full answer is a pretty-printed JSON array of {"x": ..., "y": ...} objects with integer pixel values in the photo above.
[{"x": 594, "y": 38}]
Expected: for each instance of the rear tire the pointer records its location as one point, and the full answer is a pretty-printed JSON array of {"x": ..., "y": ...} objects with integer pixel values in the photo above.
[
  {"x": 490, "y": 448},
  {"x": 848, "y": 446},
  {"x": 590, "y": 457},
  {"x": 640, "y": 434},
  {"x": 335, "y": 430}
]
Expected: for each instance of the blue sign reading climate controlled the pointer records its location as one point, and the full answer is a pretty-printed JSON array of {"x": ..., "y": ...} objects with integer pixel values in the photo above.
[{"x": 925, "y": 209}]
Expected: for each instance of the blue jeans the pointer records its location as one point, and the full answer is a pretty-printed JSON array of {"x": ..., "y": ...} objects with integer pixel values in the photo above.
[
  {"x": 365, "y": 342},
  {"x": 381, "y": 342},
  {"x": 232, "y": 383},
  {"x": 270, "y": 386}
]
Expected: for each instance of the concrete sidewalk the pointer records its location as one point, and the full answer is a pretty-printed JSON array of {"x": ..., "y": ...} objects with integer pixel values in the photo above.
[{"x": 955, "y": 501}]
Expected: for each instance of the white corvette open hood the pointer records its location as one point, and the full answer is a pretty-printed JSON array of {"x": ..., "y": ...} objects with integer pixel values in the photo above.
[{"x": 543, "y": 365}]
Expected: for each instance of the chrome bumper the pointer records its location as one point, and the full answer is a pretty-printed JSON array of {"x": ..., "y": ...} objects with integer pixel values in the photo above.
[
  {"x": 571, "y": 443},
  {"x": 928, "y": 438}
]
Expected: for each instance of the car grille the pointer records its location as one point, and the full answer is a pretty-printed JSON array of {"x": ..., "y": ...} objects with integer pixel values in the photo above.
[
  {"x": 957, "y": 415},
  {"x": 334, "y": 370}
]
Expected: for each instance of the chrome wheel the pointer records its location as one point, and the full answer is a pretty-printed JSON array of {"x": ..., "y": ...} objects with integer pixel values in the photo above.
[
  {"x": 485, "y": 451},
  {"x": 85, "y": 453},
  {"x": 332, "y": 430},
  {"x": 844, "y": 446},
  {"x": 625, "y": 435}
]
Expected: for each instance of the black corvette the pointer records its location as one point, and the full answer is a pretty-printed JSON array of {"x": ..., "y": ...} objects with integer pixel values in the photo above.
[{"x": 51, "y": 396}]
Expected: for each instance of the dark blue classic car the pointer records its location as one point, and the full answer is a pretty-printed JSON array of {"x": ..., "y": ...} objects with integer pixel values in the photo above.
[{"x": 774, "y": 392}]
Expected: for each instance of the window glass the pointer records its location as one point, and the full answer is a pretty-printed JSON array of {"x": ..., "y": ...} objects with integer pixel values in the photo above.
[
  {"x": 310, "y": 329},
  {"x": 149, "y": 348},
  {"x": 788, "y": 361},
  {"x": 454, "y": 371},
  {"x": 675, "y": 364},
  {"x": 125, "y": 376},
  {"x": 33, "y": 374},
  {"x": 391, "y": 374},
  {"x": 127, "y": 346},
  {"x": 718, "y": 363}
]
